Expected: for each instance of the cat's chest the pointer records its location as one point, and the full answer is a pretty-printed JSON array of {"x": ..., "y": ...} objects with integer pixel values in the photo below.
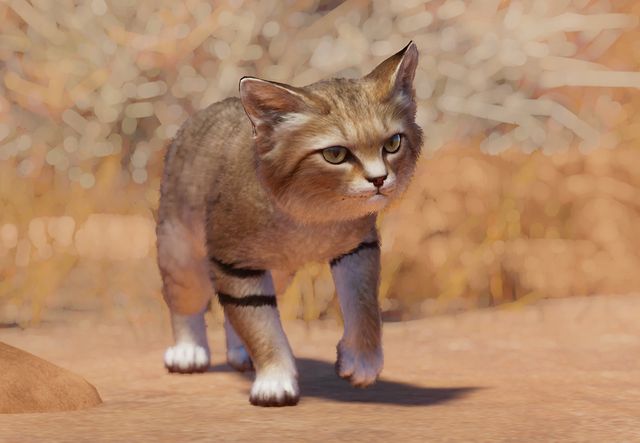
[
  {"x": 283, "y": 244},
  {"x": 307, "y": 244},
  {"x": 295, "y": 248}
]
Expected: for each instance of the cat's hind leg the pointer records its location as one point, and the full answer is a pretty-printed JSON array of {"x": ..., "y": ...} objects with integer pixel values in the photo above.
[
  {"x": 190, "y": 353},
  {"x": 187, "y": 290},
  {"x": 237, "y": 355}
]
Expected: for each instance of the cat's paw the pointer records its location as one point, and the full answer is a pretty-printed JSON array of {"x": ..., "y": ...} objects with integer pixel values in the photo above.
[
  {"x": 360, "y": 368},
  {"x": 186, "y": 358},
  {"x": 275, "y": 387},
  {"x": 238, "y": 358}
]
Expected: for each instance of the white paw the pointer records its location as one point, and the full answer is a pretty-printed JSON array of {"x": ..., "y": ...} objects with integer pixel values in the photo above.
[
  {"x": 360, "y": 368},
  {"x": 186, "y": 358},
  {"x": 275, "y": 387},
  {"x": 238, "y": 358}
]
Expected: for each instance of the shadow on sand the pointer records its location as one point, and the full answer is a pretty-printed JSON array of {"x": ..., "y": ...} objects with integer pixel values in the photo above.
[{"x": 318, "y": 379}]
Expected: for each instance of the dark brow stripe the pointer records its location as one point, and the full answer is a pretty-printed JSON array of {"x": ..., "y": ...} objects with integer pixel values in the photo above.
[
  {"x": 233, "y": 271},
  {"x": 247, "y": 300},
  {"x": 362, "y": 246}
]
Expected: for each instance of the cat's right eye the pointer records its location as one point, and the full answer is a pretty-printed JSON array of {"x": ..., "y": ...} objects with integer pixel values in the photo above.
[
  {"x": 335, "y": 154},
  {"x": 393, "y": 144}
]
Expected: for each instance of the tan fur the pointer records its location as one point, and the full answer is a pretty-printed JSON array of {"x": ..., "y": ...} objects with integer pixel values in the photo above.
[
  {"x": 256, "y": 194},
  {"x": 182, "y": 259}
]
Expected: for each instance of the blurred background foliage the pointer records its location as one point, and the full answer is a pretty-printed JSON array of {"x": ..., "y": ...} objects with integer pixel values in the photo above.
[{"x": 528, "y": 188}]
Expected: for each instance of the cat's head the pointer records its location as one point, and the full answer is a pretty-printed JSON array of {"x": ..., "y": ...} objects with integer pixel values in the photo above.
[{"x": 337, "y": 149}]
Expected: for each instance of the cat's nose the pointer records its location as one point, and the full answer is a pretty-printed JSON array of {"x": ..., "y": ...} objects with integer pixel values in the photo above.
[{"x": 378, "y": 181}]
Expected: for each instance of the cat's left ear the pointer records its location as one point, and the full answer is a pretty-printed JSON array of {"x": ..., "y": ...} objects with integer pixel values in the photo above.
[
  {"x": 395, "y": 75},
  {"x": 267, "y": 102}
]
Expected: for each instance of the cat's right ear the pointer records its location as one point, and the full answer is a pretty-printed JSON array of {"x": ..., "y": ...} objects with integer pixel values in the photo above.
[
  {"x": 267, "y": 102},
  {"x": 395, "y": 75}
]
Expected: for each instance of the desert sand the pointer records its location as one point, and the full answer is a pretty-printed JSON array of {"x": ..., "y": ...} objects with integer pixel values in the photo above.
[{"x": 558, "y": 370}]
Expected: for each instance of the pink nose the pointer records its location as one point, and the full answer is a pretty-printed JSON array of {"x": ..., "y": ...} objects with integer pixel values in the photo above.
[{"x": 378, "y": 181}]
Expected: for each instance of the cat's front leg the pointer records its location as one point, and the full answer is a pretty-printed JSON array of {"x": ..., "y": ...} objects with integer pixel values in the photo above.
[
  {"x": 356, "y": 276},
  {"x": 249, "y": 302}
]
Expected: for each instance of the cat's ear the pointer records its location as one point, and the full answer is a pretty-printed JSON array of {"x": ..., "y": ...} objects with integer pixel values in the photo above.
[
  {"x": 395, "y": 75},
  {"x": 267, "y": 102}
]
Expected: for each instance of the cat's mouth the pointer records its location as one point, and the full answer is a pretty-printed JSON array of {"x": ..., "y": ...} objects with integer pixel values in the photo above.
[{"x": 373, "y": 195}]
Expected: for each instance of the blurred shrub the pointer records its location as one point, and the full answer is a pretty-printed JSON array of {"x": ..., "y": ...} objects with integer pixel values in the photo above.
[
  {"x": 515, "y": 227},
  {"x": 92, "y": 91}
]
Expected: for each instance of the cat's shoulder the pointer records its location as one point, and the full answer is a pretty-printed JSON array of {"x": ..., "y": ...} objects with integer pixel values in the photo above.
[
  {"x": 224, "y": 115},
  {"x": 201, "y": 143},
  {"x": 228, "y": 106}
]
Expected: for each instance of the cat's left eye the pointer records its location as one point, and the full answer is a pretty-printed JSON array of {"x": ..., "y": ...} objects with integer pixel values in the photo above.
[
  {"x": 335, "y": 154},
  {"x": 393, "y": 143}
]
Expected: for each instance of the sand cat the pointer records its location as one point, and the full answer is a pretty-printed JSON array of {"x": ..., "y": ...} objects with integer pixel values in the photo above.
[{"x": 255, "y": 187}]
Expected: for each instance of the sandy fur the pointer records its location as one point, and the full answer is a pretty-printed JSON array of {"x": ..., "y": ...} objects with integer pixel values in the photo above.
[{"x": 247, "y": 198}]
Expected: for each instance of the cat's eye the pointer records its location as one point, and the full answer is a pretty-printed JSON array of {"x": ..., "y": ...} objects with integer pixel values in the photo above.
[
  {"x": 393, "y": 143},
  {"x": 335, "y": 154}
]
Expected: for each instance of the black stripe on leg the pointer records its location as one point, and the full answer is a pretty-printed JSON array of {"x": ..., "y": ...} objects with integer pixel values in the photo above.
[
  {"x": 234, "y": 271},
  {"x": 362, "y": 246},
  {"x": 247, "y": 300}
]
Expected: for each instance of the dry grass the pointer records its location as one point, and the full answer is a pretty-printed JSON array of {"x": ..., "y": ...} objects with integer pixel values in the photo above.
[{"x": 542, "y": 96}]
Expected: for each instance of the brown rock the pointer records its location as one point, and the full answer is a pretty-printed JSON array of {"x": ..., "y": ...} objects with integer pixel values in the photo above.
[{"x": 31, "y": 384}]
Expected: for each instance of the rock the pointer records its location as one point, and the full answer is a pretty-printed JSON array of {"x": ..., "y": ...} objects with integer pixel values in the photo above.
[{"x": 31, "y": 384}]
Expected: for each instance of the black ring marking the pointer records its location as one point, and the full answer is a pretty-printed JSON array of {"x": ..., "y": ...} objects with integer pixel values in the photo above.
[
  {"x": 362, "y": 246},
  {"x": 247, "y": 300},
  {"x": 233, "y": 271}
]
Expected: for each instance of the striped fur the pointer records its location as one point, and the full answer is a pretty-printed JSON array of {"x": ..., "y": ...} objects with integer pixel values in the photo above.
[
  {"x": 247, "y": 196},
  {"x": 362, "y": 246},
  {"x": 247, "y": 300},
  {"x": 234, "y": 271}
]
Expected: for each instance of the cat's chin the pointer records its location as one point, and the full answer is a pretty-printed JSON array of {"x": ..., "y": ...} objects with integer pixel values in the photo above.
[
  {"x": 377, "y": 199},
  {"x": 374, "y": 198},
  {"x": 373, "y": 202}
]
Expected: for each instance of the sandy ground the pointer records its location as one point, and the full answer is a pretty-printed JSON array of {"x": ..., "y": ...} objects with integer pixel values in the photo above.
[{"x": 560, "y": 370}]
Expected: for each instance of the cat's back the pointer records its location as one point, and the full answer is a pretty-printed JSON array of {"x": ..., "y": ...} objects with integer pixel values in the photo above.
[{"x": 211, "y": 141}]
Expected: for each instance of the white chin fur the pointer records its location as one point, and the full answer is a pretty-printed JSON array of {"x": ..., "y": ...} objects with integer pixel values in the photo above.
[
  {"x": 186, "y": 358},
  {"x": 384, "y": 192},
  {"x": 377, "y": 198}
]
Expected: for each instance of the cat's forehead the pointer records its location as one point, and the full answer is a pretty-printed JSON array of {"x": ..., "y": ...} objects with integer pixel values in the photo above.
[
  {"x": 346, "y": 95},
  {"x": 356, "y": 113}
]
